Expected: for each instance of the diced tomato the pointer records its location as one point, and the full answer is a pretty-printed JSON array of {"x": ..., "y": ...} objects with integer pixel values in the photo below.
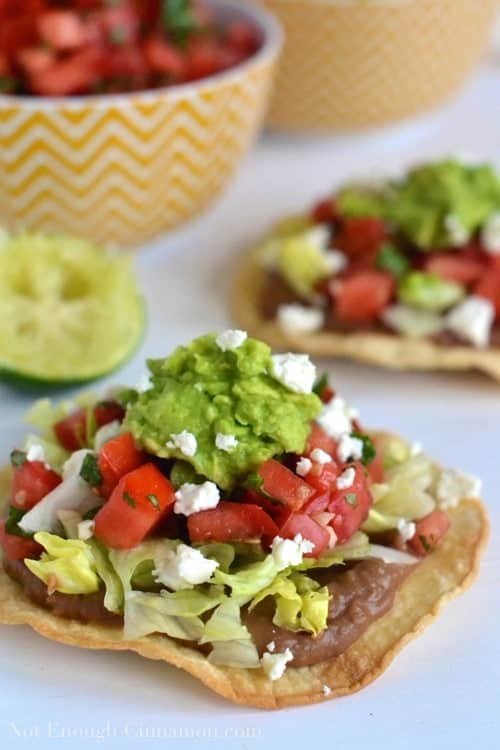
[
  {"x": 319, "y": 439},
  {"x": 282, "y": 484},
  {"x": 108, "y": 411},
  {"x": 318, "y": 504},
  {"x": 243, "y": 37},
  {"x": 120, "y": 22},
  {"x": 202, "y": 59},
  {"x": 361, "y": 238},
  {"x": 325, "y": 212},
  {"x": 17, "y": 33},
  {"x": 376, "y": 468},
  {"x": 327, "y": 394},
  {"x": 351, "y": 506},
  {"x": 363, "y": 295},
  {"x": 489, "y": 288},
  {"x": 455, "y": 266},
  {"x": 165, "y": 58},
  {"x": 71, "y": 75},
  {"x": 35, "y": 60},
  {"x": 323, "y": 476},
  {"x": 18, "y": 547},
  {"x": 62, "y": 29},
  {"x": 428, "y": 532},
  {"x": 230, "y": 522},
  {"x": 301, "y": 523},
  {"x": 31, "y": 482},
  {"x": 138, "y": 503},
  {"x": 4, "y": 66},
  {"x": 277, "y": 510},
  {"x": 71, "y": 431},
  {"x": 118, "y": 457}
]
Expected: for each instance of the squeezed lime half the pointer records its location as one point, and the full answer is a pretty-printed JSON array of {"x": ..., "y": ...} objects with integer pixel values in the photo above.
[{"x": 70, "y": 311}]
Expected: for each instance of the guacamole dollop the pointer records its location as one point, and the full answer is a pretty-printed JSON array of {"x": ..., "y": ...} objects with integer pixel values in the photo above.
[
  {"x": 207, "y": 392},
  {"x": 436, "y": 205}
]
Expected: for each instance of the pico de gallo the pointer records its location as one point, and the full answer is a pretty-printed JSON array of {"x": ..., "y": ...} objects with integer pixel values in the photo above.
[
  {"x": 235, "y": 503},
  {"x": 58, "y": 48},
  {"x": 417, "y": 257}
]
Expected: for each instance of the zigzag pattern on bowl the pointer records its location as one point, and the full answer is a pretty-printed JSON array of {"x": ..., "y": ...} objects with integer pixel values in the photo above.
[
  {"x": 121, "y": 172},
  {"x": 360, "y": 64}
]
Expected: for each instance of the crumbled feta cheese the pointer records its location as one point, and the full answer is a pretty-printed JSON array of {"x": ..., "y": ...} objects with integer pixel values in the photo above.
[
  {"x": 185, "y": 442},
  {"x": 454, "y": 486},
  {"x": 336, "y": 418},
  {"x": 35, "y": 452},
  {"x": 490, "y": 234},
  {"x": 287, "y": 552},
  {"x": 320, "y": 456},
  {"x": 346, "y": 479},
  {"x": 106, "y": 432},
  {"x": 271, "y": 646},
  {"x": 336, "y": 260},
  {"x": 457, "y": 233},
  {"x": 274, "y": 665},
  {"x": 304, "y": 466},
  {"x": 182, "y": 569},
  {"x": 326, "y": 690},
  {"x": 144, "y": 383},
  {"x": 319, "y": 235},
  {"x": 190, "y": 498},
  {"x": 86, "y": 530},
  {"x": 225, "y": 442},
  {"x": 406, "y": 529},
  {"x": 416, "y": 449},
  {"x": 295, "y": 318},
  {"x": 230, "y": 340},
  {"x": 472, "y": 320},
  {"x": 349, "y": 448},
  {"x": 295, "y": 371}
]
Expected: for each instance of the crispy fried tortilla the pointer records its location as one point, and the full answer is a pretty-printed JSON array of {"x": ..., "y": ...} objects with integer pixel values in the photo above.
[
  {"x": 442, "y": 575},
  {"x": 387, "y": 350}
]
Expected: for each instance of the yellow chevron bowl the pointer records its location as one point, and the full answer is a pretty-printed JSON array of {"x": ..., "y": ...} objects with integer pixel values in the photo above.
[
  {"x": 120, "y": 169},
  {"x": 355, "y": 63}
]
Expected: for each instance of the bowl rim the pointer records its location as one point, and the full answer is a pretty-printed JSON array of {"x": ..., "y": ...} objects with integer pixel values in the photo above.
[{"x": 270, "y": 48}]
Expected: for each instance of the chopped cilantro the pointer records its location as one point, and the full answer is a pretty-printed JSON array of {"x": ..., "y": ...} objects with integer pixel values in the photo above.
[
  {"x": 391, "y": 259},
  {"x": 91, "y": 514},
  {"x": 12, "y": 522},
  {"x": 90, "y": 470},
  {"x": 154, "y": 502},
  {"x": 254, "y": 481},
  {"x": 351, "y": 499},
  {"x": 17, "y": 458},
  {"x": 179, "y": 20},
  {"x": 129, "y": 499},
  {"x": 321, "y": 383},
  {"x": 369, "y": 451}
]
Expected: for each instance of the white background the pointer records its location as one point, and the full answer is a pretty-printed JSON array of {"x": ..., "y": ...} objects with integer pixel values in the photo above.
[{"x": 444, "y": 688}]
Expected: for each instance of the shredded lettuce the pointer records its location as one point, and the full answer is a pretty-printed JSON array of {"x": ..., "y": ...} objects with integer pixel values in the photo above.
[
  {"x": 225, "y": 624},
  {"x": 147, "y": 613},
  {"x": 301, "y": 604},
  {"x": 236, "y": 653},
  {"x": 247, "y": 582},
  {"x": 127, "y": 562},
  {"x": 68, "y": 565},
  {"x": 404, "y": 495},
  {"x": 113, "y": 596}
]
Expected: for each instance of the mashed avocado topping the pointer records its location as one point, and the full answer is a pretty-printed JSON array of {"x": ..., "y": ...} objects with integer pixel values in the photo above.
[
  {"x": 204, "y": 396},
  {"x": 436, "y": 205}
]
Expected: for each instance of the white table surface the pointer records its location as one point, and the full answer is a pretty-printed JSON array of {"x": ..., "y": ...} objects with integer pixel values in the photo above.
[{"x": 444, "y": 688}]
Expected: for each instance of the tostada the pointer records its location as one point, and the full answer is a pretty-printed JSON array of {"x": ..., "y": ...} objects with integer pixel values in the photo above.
[
  {"x": 233, "y": 518},
  {"x": 402, "y": 273}
]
